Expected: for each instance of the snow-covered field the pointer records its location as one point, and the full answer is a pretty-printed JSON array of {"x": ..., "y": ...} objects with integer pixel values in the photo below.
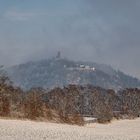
[{"x": 28, "y": 130}]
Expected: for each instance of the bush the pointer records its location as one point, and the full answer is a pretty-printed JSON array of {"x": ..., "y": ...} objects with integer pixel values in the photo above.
[
  {"x": 71, "y": 118},
  {"x": 4, "y": 106},
  {"x": 33, "y": 106},
  {"x": 49, "y": 114},
  {"x": 104, "y": 113},
  {"x": 105, "y": 118},
  {"x": 77, "y": 119}
]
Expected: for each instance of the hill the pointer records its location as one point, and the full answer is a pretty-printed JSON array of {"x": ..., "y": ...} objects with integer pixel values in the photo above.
[{"x": 61, "y": 72}]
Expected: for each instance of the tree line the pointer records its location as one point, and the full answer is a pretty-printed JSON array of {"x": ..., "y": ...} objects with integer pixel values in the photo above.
[{"x": 68, "y": 104}]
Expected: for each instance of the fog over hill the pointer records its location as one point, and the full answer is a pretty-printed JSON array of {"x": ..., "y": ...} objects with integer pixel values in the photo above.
[
  {"x": 60, "y": 72},
  {"x": 102, "y": 31}
]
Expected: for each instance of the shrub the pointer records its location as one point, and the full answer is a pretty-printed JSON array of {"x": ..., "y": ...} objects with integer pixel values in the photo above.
[
  {"x": 77, "y": 119},
  {"x": 4, "y": 106},
  {"x": 33, "y": 105}
]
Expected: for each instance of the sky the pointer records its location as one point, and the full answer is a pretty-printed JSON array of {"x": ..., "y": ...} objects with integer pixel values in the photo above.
[{"x": 103, "y": 31}]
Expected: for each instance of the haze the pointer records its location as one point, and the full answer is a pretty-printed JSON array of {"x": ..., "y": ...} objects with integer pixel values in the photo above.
[{"x": 103, "y": 31}]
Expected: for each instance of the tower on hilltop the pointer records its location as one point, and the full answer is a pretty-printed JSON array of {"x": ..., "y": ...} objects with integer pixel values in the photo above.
[{"x": 58, "y": 56}]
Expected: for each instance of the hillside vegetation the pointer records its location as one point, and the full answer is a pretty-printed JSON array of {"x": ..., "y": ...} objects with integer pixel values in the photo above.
[
  {"x": 62, "y": 72},
  {"x": 69, "y": 104}
]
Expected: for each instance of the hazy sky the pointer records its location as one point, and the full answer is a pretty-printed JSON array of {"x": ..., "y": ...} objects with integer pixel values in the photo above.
[{"x": 104, "y": 31}]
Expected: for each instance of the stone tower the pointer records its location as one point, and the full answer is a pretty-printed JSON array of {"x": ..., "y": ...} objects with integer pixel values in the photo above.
[{"x": 58, "y": 56}]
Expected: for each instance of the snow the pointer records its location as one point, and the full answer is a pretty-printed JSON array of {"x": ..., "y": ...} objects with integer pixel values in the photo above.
[{"x": 29, "y": 130}]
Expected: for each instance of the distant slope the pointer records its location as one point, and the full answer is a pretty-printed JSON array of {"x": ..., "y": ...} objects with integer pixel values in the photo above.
[{"x": 60, "y": 72}]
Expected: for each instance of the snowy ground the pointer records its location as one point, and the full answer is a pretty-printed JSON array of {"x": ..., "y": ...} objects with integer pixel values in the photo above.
[{"x": 28, "y": 130}]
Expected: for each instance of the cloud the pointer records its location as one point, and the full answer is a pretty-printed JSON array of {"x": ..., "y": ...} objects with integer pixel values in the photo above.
[{"x": 15, "y": 15}]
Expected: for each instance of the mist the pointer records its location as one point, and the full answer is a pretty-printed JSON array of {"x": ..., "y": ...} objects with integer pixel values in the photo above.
[{"x": 103, "y": 31}]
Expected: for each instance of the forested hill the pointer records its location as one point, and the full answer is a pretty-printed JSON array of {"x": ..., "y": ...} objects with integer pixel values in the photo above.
[{"x": 61, "y": 72}]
